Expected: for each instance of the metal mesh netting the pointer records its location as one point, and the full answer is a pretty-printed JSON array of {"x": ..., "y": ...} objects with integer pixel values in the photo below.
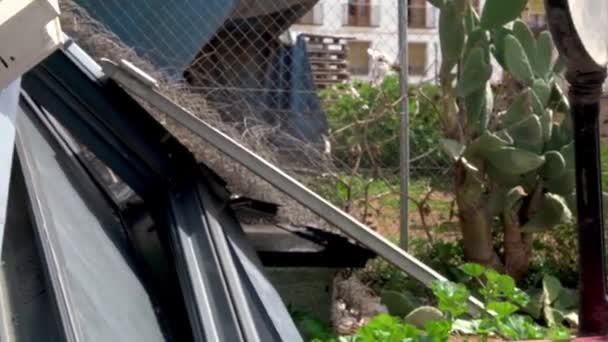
[{"x": 311, "y": 86}]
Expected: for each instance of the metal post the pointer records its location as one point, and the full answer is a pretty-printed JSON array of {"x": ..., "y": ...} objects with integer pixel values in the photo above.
[
  {"x": 404, "y": 136},
  {"x": 585, "y": 94},
  {"x": 586, "y": 73}
]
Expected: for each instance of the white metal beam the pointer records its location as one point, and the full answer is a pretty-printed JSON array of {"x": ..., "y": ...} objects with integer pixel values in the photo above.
[{"x": 132, "y": 80}]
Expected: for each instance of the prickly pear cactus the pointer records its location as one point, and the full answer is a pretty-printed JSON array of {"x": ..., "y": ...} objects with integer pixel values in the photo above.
[{"x": 518, "y": 160}]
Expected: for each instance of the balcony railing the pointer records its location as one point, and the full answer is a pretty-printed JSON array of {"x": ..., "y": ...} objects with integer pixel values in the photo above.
[
  {"x": 314, "y": 17},
  {"x": 361, "y": 14}
]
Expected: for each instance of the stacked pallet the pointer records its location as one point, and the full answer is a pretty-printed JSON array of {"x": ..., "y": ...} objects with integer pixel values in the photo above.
[{"x": 328, "y": 59}]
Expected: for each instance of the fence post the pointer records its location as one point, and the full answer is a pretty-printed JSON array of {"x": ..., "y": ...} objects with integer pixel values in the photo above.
[{"x": 404, "y": 137}]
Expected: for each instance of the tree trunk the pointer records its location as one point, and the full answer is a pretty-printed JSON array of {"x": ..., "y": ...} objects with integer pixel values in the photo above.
[
  {"x": 518, "y": 247},
  {"x": 475, "y": 221}
]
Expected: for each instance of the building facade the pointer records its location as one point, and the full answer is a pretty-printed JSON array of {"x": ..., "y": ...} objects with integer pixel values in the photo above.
[{"x": 373, "y": 25}]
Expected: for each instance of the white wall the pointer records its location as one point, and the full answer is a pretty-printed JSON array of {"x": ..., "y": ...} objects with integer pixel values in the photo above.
[{"x": 385, "y": 37}]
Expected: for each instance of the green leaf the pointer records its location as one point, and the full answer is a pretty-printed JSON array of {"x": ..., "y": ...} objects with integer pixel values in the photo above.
[
  {"x": 568, "y": 153},
  {"x": 468, "y": 166},
  {"x": 499, "y": 285},
  {"x": 343, "y": 190},
  {"x": 522, "y": 32},
  {"x": 479, "y": 105},
  {"x": 555, "y": 165},
  {"x": 514, "y": 161},
  {"x": 486, "y": 144},
  {"x": 560, "y": 65},
  {"x": 535, "y": 305},
  {"x": 476, "y": 72},
  {"x": 398, "y": 303},
  {"x": 497, "y": 13},
  {"x": 514, "y": 196},
  {"x": 452, "y": 148},
  {"x": 537, "y": 106},
  {"x": 313, "y": 328},
  {"x": 559, "y": 137},
  {"x": 472, "y": 270},
  {"x": 517, "y": 61},
  {"x": 502, "y": 178},
  {"x": 546, "y": 121},
  {"x": 413, "y": 106},
  {"x": 528, "y": 134},
  {"x": 563, "y": 185},
  {"x": 471, "y": 19},
  {"x": 504, "y": 135},
  {"x": 387, "y": 328},
  {"x": 553, "y": 316},
  {"x": 558, "y": 100},
  {"x": 438, "y": 330},
  {"x": 519, "y": 109},
  {"x": 517, "y": 327},
  {"x": 552, "y": 288},
  {"x": 498, "y": 37},
  {"x": 437, "y": 3},
  {"x": 451, "y": 33},
  {"x": 502, "y": 309},
  {"x": 520, "y": 297},
  {"x": 477, "y": 38},
  {"x": 553, "y": 211},
  {"x": 422, "y": 315},
  {"x": 542, "y": 90},
  {"x": 566, "y": 183},
  {"x": 572, "y": 318},
  {"x": 567, "y": 300},
  {"x": 452, "y": 297},
  {"x": 466, "y": 327},
  {"x": 544, "y": 54}
]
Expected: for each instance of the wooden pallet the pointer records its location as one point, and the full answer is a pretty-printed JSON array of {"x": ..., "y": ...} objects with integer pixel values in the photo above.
[{"x": 328, "y": 59}]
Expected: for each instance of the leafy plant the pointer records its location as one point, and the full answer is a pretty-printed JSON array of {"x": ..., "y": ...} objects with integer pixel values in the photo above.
[
  {"x": 504, "y": 302},
  {"x": 553, "y": 303},
  {"x": 310, "y": 326},
  {"x": 513, "y": 165},
  {"x": 364, "y": 122}
]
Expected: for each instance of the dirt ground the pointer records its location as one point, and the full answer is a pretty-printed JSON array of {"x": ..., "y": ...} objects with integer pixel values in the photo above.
[{"x": 385, "y": 218}]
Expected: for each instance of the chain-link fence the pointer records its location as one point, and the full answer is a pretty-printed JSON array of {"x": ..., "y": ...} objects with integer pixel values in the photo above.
[{"x": 311, "y": 85}]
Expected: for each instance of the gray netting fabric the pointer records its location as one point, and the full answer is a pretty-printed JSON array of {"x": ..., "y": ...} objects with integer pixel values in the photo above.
[{"x": 99, "y": 42}]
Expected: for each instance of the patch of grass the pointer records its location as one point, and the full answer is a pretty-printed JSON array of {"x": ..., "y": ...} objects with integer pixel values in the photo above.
[
  {"x": 604, "y": 159},
  {"x": 385, "y": 192},
  {"x": 310, "y": 326}
]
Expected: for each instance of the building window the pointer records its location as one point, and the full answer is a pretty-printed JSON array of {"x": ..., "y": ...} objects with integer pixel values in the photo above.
[
  {"x": 417, "y": 59},
  {"x": 360, "y": 13},
  {"x": 358, "y": 57},
  {"x": 416, "y": 14},
  {"x": 313, "y": 17}
]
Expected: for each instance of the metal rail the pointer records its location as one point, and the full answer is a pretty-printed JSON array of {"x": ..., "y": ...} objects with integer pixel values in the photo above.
[
  {"x": 132, "y": 80},
  {"x": 226, "y": 297}
]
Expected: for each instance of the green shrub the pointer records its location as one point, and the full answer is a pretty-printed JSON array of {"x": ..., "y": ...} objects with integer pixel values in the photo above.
[
  {"x": 364, "y": 121},
  {"x": 505, "y": 316}
]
